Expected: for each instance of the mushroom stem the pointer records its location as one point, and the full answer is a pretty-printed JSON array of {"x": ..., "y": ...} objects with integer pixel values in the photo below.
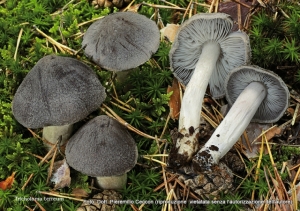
[
  {"x": 113, "y": 182},
  {"x": 191, "y": 106},
  {"x": 53, "y": 133},
  {"x": 232, "y": 126}
]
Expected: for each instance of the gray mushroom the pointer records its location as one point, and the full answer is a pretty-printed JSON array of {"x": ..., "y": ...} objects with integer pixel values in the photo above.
[
  {"x": 121, "y": 41},
  {"x": 203, "y": 52},
  {"x": 103, "y": 148},
  {"x": 256, "y": 95},
  {"x": 56, "y": 93}
]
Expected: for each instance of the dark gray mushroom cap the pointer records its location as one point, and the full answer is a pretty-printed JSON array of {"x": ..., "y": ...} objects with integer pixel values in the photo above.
[
  {"x": 275, "y": 103},
  {"x": 57, "y": 91},
  {"x": 102, "y": 147},
  {"x": 188, "y": 44},
  {"x": 121, "y": 41}
]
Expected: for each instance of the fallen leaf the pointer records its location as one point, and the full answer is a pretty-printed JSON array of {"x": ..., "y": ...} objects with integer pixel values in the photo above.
[
  {"x": 175, "y": 101},
  {"x": 169, "y": 32},
  {"x": 6, "y": 184},
  {"x": 230, "y": 8},
  {"x": 61, "y": 174},
  {"x": 254, "y": 131}
]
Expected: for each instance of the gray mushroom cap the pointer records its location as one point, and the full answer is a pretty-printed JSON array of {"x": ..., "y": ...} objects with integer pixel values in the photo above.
[
  {"x": 121, "y": 41},
  {"x": 102, "y": 147},
  {"x": 57, "y": 91},
  {"x": 194, "y": 33},
  {"x": 275, "y": 103}
]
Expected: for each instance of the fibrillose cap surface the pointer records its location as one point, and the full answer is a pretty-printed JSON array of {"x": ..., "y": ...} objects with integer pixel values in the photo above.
[
  {"x": 194, "y": 33},
  {"x": 121, "y": 41},
  {"x": 102, "y": 147},
  {"x": 57, "y": 91},
  {"x": 277, "y": 99}
]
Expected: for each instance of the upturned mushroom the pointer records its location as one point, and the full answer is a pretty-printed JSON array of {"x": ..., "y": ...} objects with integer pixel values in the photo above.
[
  {"x": 203, "y": 53},
  {"x": 103, "y": 148},
  {"x": 56, "y": 93},
  {"x": 121, "y": 41},
  {"x": 254, "y": 94}
]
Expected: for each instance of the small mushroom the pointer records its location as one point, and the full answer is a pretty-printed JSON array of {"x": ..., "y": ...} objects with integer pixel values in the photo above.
[
  {"x": 256, "y": 95},
  {"x": 203, "y": 52},
  {"x": 56, "y": 93},
  {"x": 121, "y": 41},
  {"x": 103, "y": 148}
]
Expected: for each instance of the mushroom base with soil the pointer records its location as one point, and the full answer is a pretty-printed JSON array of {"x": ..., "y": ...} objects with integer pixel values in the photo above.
[
  {"x": 232, "y": 127},
  {"x": 191, "y": 105}
]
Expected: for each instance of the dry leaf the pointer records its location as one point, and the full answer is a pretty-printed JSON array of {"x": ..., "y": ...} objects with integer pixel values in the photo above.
[
  {"x": 6, "y": 184},
  {"x": 169, "y": 31},
  {"x": 61, "y": 174},
  {"x": 230, "y": 8},
  {"x": 175, "y": 101},
  {"x": 254, "y": 130}
]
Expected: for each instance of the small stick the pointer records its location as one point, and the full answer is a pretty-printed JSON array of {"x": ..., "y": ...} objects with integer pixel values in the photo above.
[
  {"x": 270, "y": 189},
  {"x": 241, "y": 3},
  {"x": 186, "y": 11},
  {"x": 18, "y": 43},
  {"x": 202, "y": 4},
  {"x": 41, "y": 162},
  {"x": 239, "y": 15},
  {"x": 129, "y": 5},
  {"x": 155, "y": 160},
  {"x": 212, "y": 6},
  {"x": 89, "y": 21},
  {"x": 258, "y": 166},
  {"x": 295, "y": 114},
  {"x": 211, "y": 122},
  {"x": 60, "y": 196},
  {"x": 247, "y": 141},
  {"x": 169, "y": 3},
  {"x": 123, "y": 122},
  {"x": 163, "y": 6},
  {"x": 165, "y": 182},
  {"x": 54, "y": 42},
  {"x": 165, "y": 127},
  {"x": 39, "y": 205}
]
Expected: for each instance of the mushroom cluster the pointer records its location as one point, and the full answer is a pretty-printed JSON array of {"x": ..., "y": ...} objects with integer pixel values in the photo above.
[
  {"x": 56, "y": 93},
  {"x": 203, "y": 53}
]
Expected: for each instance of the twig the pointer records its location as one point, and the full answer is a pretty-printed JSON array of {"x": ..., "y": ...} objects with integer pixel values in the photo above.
[
  {"x": 163, "y": 6},
  {"x": 40, "y": 163},
  {"x": 60, "y": 46},
  {"x": 18, "y": 43},
  {"x": 60, "y": 196},
  {"x": 123, "y": 122},
  {"x": 186, "y": 11},
  {"x": 295, "y": 114}
]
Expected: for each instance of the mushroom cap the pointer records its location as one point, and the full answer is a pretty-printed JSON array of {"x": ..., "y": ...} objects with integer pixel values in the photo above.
[
  {"x": 275, "y": 103},
  {"x": 121, "y": 41},
  {"x": 57, "y": 91},
  {"x": 188, "y": 44},
  {"x": 102, "y": 147}
]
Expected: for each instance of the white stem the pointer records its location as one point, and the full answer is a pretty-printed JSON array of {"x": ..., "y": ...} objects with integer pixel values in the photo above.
[
  {"x": 53, "y": 133},
  {"x": 191, "y": 104},
  {"x": 233, "y": 125},
  {"x": 113, "y": 182}
]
